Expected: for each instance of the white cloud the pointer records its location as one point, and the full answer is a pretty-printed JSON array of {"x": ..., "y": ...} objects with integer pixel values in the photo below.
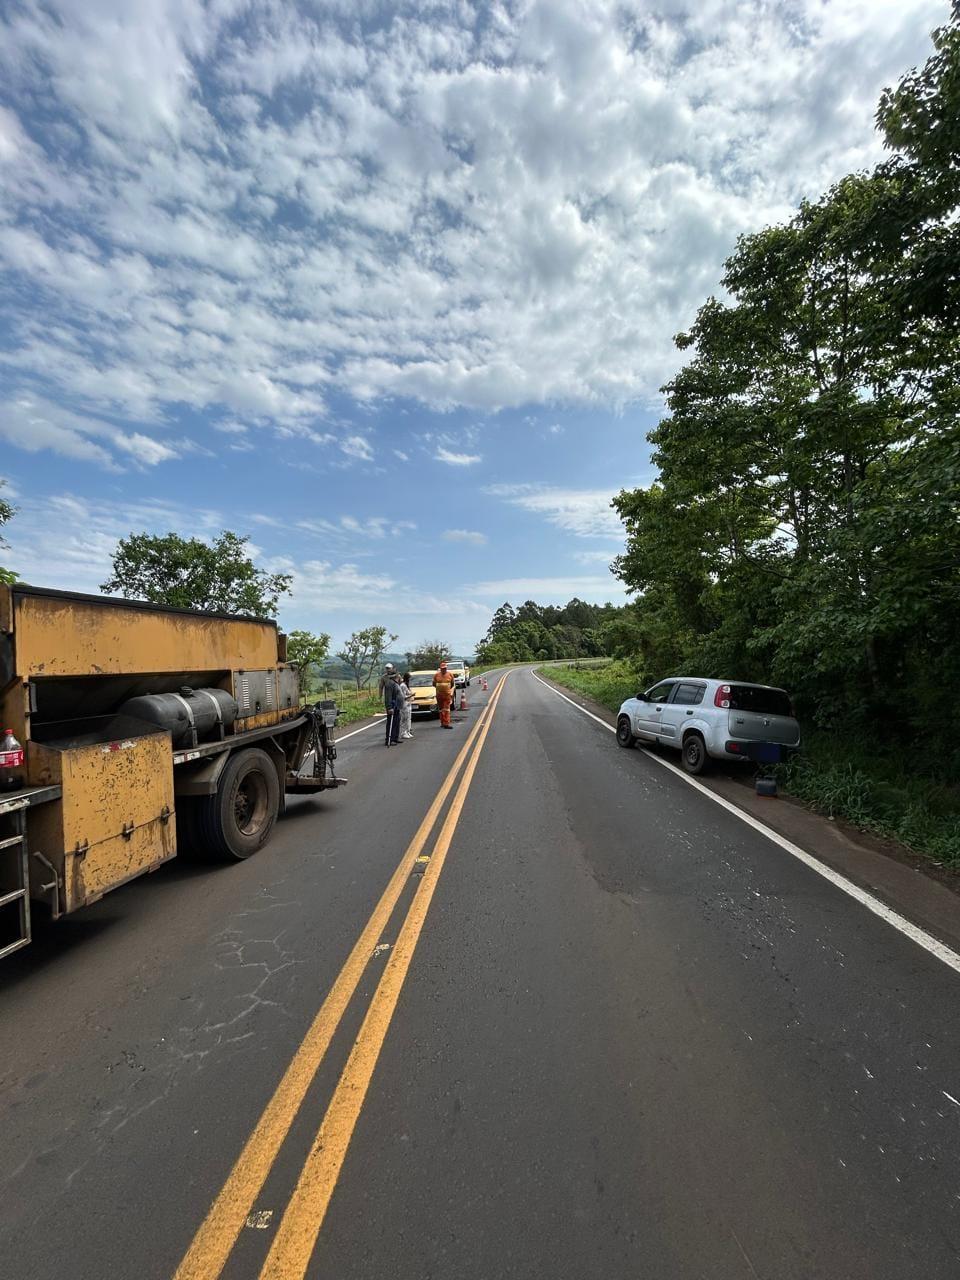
[
  {"x": 68, "y": 541},
  {"x": 465, "y": 535},
  {"x": 35, "y": 424},
  {"x": 357, "y": 447},
  {"x": 261, "y": 207},
  {"x": 143, "y": 449},
  {"x": 597, "y": 557},
  {"x": 322, "y": 588},
  {"x": 351, "y": 527},
  {"x": 584, "y": 512},
  {"x": 453, "y": 459}
]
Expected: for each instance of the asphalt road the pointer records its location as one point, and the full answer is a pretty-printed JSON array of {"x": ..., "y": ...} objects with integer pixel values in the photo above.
[{"x": 606, "y": 1030}]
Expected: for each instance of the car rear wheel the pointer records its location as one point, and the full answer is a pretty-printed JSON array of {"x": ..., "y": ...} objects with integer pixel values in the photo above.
[
  {"x": 694, "y": 753},
  {"x": 625, "y": 736}
]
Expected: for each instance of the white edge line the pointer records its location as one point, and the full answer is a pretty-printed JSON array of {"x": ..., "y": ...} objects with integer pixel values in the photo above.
[
  {"x": 363, "y": 728},
  {"x": 920, "y": 936},
  {"x": 353, "y": 732}
]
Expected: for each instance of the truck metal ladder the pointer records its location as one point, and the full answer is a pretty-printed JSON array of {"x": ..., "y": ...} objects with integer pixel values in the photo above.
[{"x": 14, "y": 876}]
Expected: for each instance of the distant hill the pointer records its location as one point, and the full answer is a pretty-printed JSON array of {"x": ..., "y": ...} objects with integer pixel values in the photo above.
[{"x": 334, "y": 669}]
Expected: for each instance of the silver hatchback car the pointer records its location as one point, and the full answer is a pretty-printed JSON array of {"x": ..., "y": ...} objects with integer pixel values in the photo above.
[{"x": 722, "y": 719}]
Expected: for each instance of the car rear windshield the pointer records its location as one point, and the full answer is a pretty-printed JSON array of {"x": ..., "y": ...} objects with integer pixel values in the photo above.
[{"x": 766, "y": 702}]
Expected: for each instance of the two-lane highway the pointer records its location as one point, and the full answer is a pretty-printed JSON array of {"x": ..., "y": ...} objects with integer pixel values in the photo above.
[{"x": 516, "y": 1003}]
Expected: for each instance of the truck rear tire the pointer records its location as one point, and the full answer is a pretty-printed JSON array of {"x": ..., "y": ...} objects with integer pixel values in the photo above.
[{"x": 238, "y": 820}]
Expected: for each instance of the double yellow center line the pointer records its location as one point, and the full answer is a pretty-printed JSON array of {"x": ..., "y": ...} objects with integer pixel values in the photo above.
[{"x": 300, "y": 1225}]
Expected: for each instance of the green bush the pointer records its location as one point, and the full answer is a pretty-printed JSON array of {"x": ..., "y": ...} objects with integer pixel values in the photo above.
[{"x": 881, "y": 789}]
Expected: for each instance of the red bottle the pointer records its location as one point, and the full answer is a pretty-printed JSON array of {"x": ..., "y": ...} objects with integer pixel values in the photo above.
[{"x": 11, "y": 762}]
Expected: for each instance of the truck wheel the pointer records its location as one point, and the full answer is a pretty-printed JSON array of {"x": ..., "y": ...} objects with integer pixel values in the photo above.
[
  {"x": 238, "y": 820},
  {"x": 625, "y": 736},
  {"x": 694, "y": 753}
]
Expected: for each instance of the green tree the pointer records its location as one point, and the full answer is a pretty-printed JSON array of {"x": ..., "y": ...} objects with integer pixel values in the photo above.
[
  {"x": 7, "y": 512},
  {"x": 498, "y": 654},
  {"x": 429, "y": 653},
  {"x": 577, "y": 613},
  {"x": 305, "y": 650},
  {"x": 503, "y": 618},
  {"x": 529, "y": 611},
  {"x": 543, "y": 632},
  {"x": 804, "y": 525},
  {"x": 188, "y": 573},
  {"x": 363, "y": 651}
]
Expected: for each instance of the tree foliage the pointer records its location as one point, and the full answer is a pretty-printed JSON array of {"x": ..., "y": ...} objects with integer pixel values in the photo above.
[
  {"x": 188, "y": 573},
  {"x": 535, "y": 632},
  {"x": 805, "y": 527},
  {"x": 429, "y": 653},
  {"x": 7, "y": 512},
  {"x": 306, "y": 650},
  {"x": 362, "y": 652}
]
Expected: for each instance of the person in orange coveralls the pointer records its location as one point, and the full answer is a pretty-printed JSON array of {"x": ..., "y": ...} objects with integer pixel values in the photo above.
[{"x": 443, "y": 682}]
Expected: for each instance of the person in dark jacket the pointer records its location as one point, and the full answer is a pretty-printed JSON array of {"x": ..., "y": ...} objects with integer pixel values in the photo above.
[{"x": 393, "y": 705}]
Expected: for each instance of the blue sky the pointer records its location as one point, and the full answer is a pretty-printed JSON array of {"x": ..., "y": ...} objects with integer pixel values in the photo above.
[{"x": 389, "y": 288}]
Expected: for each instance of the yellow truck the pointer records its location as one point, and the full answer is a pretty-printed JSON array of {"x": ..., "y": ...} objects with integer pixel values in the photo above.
[{"x": 147, "y": 731}]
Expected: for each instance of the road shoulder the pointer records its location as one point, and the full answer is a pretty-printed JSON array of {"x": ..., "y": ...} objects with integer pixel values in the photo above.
[{"x": 897, "y": 876}]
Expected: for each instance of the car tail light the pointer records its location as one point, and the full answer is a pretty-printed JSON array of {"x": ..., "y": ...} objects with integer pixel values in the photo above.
[{"x": 722, "y": 697}]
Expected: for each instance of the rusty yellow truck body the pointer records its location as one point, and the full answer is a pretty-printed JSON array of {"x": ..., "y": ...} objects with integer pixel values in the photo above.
[{"x": 146, "y": 730}]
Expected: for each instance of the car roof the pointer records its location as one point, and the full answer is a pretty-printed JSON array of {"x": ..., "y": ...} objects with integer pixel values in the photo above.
[{"x": 747, "y": 684}]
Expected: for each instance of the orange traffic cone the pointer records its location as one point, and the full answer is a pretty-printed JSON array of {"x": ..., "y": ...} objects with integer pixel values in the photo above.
[
  {"x": 483, "y": 685},
  {"x": 463, "y": 699}
]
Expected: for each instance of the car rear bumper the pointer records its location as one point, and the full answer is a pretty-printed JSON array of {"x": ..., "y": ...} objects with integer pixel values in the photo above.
[{"x": 759, "y": 752}]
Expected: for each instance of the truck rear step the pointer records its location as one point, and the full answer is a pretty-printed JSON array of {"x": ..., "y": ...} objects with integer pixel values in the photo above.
[{"x": 14, "y": 883}]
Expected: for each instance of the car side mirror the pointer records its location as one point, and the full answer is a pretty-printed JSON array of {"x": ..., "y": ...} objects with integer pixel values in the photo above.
[{"x": 641, "y": 696}]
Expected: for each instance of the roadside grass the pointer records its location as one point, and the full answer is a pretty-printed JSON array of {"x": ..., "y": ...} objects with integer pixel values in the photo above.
[
  {"x": 354, "y": 705},
  {"x": 879, "y": 788},
  {"x": 606, "y": 682},
  {"x": 874, "y": 787}
]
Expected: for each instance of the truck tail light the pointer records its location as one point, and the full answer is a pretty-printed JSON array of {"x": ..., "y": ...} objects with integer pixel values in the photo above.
[{"x": 722, "y": 697}]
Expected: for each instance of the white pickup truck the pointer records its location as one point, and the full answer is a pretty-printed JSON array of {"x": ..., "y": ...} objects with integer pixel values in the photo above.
[{"x": 460, "y": 672}]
